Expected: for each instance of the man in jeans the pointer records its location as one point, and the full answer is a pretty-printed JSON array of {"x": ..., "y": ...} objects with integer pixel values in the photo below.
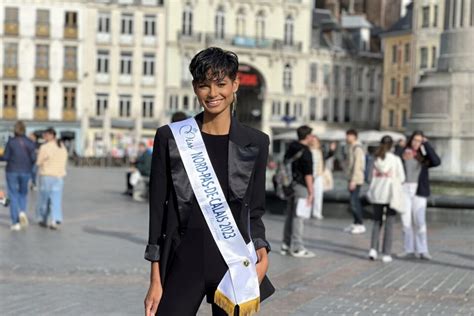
[
  {"x": 355, "y": 173},
  {"x": 302, "y": 173}
]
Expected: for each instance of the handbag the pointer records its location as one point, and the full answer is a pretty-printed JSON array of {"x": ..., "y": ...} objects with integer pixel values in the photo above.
[
  {"x": 397, "y": 198},
  {"x": 328, "y": 180}
]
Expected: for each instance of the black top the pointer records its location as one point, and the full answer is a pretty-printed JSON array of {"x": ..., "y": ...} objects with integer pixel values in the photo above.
[{"x": 304, "y": 165}]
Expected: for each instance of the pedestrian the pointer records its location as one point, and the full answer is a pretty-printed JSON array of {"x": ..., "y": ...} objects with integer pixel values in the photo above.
[
  {"x": 303, "y": 185},
  {"x": 52, "y": 160},
  {"x": 387, "y": 172},
  {"x": 355, "y": 169},
  {"x": 20, "y": 157},
  {"x": 318, "y": 170},
  {"x": 143, "y": 168},
  {"x": 201, "y": 231},
  {"x": 34, "y": 170},
  {"x": 417, "y": 158}
]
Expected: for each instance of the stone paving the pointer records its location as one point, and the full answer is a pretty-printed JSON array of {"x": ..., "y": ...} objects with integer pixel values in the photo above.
[{"x": 93, "y": 265}]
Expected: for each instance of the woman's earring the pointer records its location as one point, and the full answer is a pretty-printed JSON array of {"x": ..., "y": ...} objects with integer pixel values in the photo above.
[{"x": 234, "y": 104}]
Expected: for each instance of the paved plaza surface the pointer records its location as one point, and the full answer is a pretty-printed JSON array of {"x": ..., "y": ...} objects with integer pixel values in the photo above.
[{"x": 94, "y": 264}]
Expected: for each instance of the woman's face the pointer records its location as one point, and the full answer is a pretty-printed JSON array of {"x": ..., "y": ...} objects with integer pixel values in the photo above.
[
  {"x": 416, "y": 142},
  {"x": 216, "y": 96}
]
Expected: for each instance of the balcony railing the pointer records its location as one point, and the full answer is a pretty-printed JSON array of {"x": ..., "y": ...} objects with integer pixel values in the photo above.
[
  {"x": 42, "y": 29},
  {"x": 10, "y": 71},
  {"x": 41, "y": 73},
  {"x": 11, "y": 28},
  {"x": 69, "y": 115},
  {"x": 9, "y": 113},
  {"x": 70, "y": 74},
  {"x": 195, "y": 37},
  {"x": 41, "y": 114},
  {"x": 70, "y": 32},
  {"x": 253, "y": 42}
]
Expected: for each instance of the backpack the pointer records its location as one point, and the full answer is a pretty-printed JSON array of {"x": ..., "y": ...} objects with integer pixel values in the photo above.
[{"x": 284, "y": 177}]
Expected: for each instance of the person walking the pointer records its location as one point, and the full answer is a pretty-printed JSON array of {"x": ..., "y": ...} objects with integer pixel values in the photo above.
[
  {"x": 303, "y": 185},
  {"x": 355, "y": 172},
  {"x": 417, "y": 158},
  {"x": 387, "y": 173},
  {"x": 207, "y": 198},
  {"x": 20, "y": 157},
  {"x": 52, "y": 160}
]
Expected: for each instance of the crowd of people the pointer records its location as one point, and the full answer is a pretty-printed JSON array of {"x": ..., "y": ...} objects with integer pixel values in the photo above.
[
  {"x": 27, "y": 163},
  {"x": 398, "y": 180}
]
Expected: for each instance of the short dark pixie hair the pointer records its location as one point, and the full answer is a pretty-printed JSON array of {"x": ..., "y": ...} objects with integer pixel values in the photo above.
[
  {"x": 303, "y": 131},
  {"x": 214, "y": 63}
]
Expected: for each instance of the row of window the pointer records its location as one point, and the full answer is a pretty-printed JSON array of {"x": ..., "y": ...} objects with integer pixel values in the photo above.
[
  {"x": 336, "y": 72},
  {"x": 458, "y": 14},
  {"x": 41, "y": 97},
  {"x": 126, "y": 24},
  {"x": 393, "y": 121},
  {"x": 426, "y": 16},
  {"x": 125, "y": 105},
  {"x": 395, "y": 86},
  {"x": 240, "y": 23},
  {"x": 296, "y": 109},
  {"x": 398, "y": 55},
  {"x": 148, "y": 64},
  {"x": 41, "y": 56}
]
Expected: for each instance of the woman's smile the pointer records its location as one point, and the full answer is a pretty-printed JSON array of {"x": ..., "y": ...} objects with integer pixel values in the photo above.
[{"x": 214, "y": 103}]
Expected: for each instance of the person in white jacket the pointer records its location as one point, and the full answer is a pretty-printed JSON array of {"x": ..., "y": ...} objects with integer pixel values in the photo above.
[{"x": 385, "y": 195}]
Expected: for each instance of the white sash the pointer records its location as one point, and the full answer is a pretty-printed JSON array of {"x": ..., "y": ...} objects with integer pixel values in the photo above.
[{"x": 240, "y": 284}]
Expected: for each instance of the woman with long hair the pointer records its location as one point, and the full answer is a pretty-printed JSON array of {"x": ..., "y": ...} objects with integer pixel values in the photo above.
[
  {"x": 417, "y": 158},
  {"x": 387, "y": 172},
  {"x": 207, "y": 198}
]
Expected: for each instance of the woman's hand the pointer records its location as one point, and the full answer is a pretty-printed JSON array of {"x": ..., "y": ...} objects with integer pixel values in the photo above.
[
  {"x": 153, "y": 298},
  {"x": 262, "y": 264}
]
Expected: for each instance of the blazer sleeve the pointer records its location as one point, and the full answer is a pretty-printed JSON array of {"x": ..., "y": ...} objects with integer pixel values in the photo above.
[
  {"x": 257, "y": 202},
  {"x": 158, "y": 192},
  {"x": 432, "y": 155}
]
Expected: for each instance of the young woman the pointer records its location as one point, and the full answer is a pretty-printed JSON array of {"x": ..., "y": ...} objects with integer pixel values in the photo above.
[
  {"x": 417, "y": 157},
  {"x": 387, "y": 172},
  {"x": 20, "y": 157},
  {"x": 187, "y": 263}
]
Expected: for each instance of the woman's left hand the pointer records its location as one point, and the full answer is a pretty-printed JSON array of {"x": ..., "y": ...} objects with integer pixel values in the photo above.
[{"x": 262, "y": 264}]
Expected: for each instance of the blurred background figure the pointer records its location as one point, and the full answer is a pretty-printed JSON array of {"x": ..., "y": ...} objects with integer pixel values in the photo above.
[
  {"x": 140, "y": 177},
  {"x": 52, "y": 160},
  {"x": 4, "y": 200},
  {"x": 34, "y": 170},
  {"x": 418, "y": 157},
  {"x": 20, "y": 157},
  {"x": 178, "y": 116}
]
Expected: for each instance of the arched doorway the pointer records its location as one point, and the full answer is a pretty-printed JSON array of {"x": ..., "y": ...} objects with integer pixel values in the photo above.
[{"x": 250, "y": 96}]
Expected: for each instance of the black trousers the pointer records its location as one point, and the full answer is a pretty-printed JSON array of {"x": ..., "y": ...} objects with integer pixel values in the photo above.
[{"x": 195, "y": 271}]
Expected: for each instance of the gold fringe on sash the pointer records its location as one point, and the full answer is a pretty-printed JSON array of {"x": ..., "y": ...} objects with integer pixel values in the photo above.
[{"x": 245, "y": 309}]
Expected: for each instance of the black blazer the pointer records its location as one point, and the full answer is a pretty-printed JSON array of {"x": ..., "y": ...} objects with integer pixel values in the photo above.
[{"x": 171, "y": 195}]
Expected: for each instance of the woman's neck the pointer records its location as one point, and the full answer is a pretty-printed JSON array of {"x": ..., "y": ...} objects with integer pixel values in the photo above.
[{"x": 216, "y": 124}]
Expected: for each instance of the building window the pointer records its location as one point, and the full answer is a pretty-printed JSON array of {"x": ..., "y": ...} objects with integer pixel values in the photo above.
[
  {"x": 360, "y": 78},
  {"x": 70, "y": 57},
  {"x": 10, "y": 58},
  {"x": 287, "y": 108},
  {"x": 101, "y": 104},
  {"x": 149, "y": 27},
  {"x": 276, "y": 108},
  {"x": 125, "y": 63},
  {"x": 348, "y": 77},
  {"x": 149, "y": 65},
  {"x": 173, "y": 103},
  {"x": 185, "y": 103},
  {"x": 391, "y": 118},
  {"x": 313, "y": 73},
  {"x": 42, "y": 56},
  {"x": 407, "y": 53},
  {"x": 9, "y": 96},
  {"x": 435, "y": 18},
  {"x": 11, "y": 15},
  {"x": 147, "y": 106},
  {"x": 313, "y": 109},
  {"x": 41, "y": 97},
  {"x": 220, "y": 23},
  {"x": 326, "y": 75},
  {"x": 287, "y": 77},
  {"x": 71, "y": 19},
  {"x": 126, "y": 26},
  {"x": 406, "y": 85},
  {"x": 69, "y": 98},
  {"x": 260, "y": 25},
  {"x": 347, "y": 110},
  {"x": 425, "y": 16},
  {"x": 404, "y": 118},
  {"x": 424, "y": 57},
  {"x": 103, "y": 22},
  {"x": 125, "y": 105},
  {"x": 326, "y": 109},
  {"x": 240, "y": 22},
  {"x": 372, "y": 80},
  {"x": 372, "y": 110},
  {"x": 298, "y": 109},
  {"x": 393, "y": 86},
  {"x": 42, "y": 17},
  {"x": 196, "y": 104},
  {"x": 336, "y": 110},
  {"x": 394, "y": 54},
  {"x": 289, "y": 29},
  {"x": 359, "y": 111},
  {"x": 433, "y": 57},
  {"x": 336, "y": 76},
  {"x": 186, "y": 74},
  {"x": 103, "y": 61},
  {"x": 187, "y": 27}
]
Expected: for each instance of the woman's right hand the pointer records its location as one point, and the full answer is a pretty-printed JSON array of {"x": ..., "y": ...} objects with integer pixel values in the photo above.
[{"x": 153, "y": 298}]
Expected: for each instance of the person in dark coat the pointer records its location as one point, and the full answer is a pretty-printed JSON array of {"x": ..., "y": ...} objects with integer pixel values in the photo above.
[
  {"x": 186, "y": 264},
  {"x": 20, "y": 157},
  {"x": 418, "y": 157}
]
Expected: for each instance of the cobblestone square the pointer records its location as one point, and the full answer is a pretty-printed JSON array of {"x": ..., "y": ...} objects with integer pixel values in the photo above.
[{"x": 94, "y": 264}]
